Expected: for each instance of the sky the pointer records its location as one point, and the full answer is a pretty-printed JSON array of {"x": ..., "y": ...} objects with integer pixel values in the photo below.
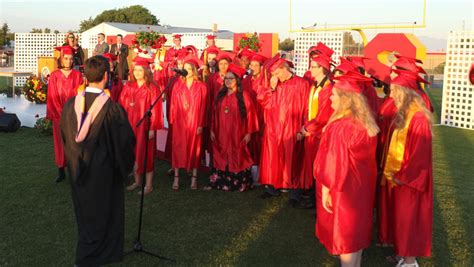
[{"x": 250, "y": 15}]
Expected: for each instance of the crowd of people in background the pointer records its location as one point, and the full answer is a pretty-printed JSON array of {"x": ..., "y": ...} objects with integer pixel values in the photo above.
[{"x": 328, "y": 138}]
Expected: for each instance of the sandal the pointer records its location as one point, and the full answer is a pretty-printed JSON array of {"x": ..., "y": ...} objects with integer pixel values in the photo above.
[
  {"x": 194, "y": 185},
  {"x": 175, "y": 186},
  {"x": 132, "y": 187},
  {"x": 148, "y": 190}
]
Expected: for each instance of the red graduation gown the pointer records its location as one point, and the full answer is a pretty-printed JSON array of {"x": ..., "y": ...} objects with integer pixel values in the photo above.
[
  {"x": 255, "y": 144},
  {"x": 386, "y": 115},
  {"x": 230, "y": 129},
  {"x": 187, "y": 113},
  {"x": 116, "y": 91},
  {"x": 136, "y": 100},
  {"x": 345, "y": 163},
  {"x": 285, "y": 111},
  {"x": 411, "y": 206},
  {"x": 60, "y": 89},
  {"x": 314, "y": 127}
]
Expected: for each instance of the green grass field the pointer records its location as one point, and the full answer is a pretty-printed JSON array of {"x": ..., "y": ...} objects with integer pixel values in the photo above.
[{"x": 37, "y": 225}]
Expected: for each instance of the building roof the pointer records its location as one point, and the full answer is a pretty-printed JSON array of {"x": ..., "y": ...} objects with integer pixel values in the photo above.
[{"x": 166, "y": 29}]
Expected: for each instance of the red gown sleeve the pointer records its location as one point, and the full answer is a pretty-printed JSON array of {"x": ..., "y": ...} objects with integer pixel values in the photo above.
[
  {"x": 157, "y": 112},
  {"x": 204, "y": 106},
  {"x": 264, "y": 95},
  {"x": 417, "y": 159},
  {"x": 325, "y": 111},
  {"x": 252, "y": 121},
  {"x": 52, "y": 104},
  {"x": 336, "y": 155},
  {"x": 172, "y": 114}
]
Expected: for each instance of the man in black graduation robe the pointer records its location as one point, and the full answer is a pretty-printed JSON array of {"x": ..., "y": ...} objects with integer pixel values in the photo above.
[{"x": 100, "y": 155}]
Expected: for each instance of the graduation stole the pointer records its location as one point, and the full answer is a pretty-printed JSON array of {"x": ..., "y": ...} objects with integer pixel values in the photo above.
[
  {"x": 314, "y": 96},
  {"x": 396, "y": 149},
  {"x": 85, "y": 119},
  {"x": 161, "y": 57}
]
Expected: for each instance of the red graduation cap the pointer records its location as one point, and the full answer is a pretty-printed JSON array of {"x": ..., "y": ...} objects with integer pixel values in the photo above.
[
  {"x": 358, "y": 61},
  {"x": 177, "y": 36},
  {"x": 345, "y": 65},
  {"x": 312, "y": 49},
  {"x": 259, "y": 58},
  {"x": 141, "y": 61},
  {"x": 245, "y": 53},
  {"x": 193, "y": 60},
  {"x": 237, "y": 70},
  {"x": 191, "y": 50},
  {"x": 324, "y": 49},
  {"x": 408, "y": 79},
  {"x": 181, "y": 54},
  {"x": 276, "y": 62},
  {"x": 351, "y": 81},
  {"x": 65, "y": 50},
  {"x": 211, "y": 37},
  {"x": 323, "y": 60},
  {"x": 408, "y": 64},
  {"x": 213, "y": 50},
  {"x": 110, "y": 57},
  {"x": 225, "y": 55},
  {"x": 399, "y": 56}
]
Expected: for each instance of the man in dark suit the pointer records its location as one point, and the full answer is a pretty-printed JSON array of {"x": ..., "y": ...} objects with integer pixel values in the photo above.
[
  {"x": 102, "y": 46},
  {"x": 121, "y": 51}
]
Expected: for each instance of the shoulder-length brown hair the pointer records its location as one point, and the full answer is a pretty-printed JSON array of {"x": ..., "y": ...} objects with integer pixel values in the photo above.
[{"x": 148, "y": 76}]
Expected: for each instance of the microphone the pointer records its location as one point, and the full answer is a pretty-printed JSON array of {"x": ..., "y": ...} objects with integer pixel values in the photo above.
[{"x": 181, "y": 72}]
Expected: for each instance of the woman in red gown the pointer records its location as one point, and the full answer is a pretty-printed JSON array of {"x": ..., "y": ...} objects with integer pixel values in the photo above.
[
  {"x": 137, "y": 96},
  {"x": 233, "y": 121},
  {"x": 187, "y": 117},
  {"x": 114, "y": 85},
  {"x": 407, "y": 171},
  {"x": 346, "y": 169},
  {"x": 63, "y": 84}
]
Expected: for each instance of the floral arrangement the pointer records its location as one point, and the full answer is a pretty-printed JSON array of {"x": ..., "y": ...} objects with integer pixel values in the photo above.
[
  {"x": 44, "y": 126},
  {"x": 250, "y": 41},
  {"x": 35, "y": 90},
  {"x": 148, "y": 42}
]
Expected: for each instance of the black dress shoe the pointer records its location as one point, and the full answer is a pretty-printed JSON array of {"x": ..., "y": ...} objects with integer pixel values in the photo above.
[
  {"x": 61, "y": 175},
  {"x": 305, "y": 205}
]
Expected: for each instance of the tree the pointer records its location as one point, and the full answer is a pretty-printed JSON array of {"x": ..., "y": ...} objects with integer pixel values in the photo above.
[
  {"x": 47, "y": 30},
  {"x": 351, "y": 47},
  {"x": 35, "y": 30},
  {"x": 5, "y": 35},
  {"x": 133, "y": 14},
  {"x": 287, "y": 45},
  {"x": 440, "y": 68}
]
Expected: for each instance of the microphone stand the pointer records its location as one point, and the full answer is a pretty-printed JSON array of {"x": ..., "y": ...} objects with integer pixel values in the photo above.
[{"x": 137, "y": 245}]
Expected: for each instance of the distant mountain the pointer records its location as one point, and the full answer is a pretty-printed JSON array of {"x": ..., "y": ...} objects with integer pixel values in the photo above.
[{"x": 433, "y": 44}]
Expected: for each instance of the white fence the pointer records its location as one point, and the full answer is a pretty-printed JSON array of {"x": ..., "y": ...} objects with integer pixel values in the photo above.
[
  {"x": 458, "y": 101},
  {"x": 304, "y": 40},
  {"x": 29, "y": 46}
]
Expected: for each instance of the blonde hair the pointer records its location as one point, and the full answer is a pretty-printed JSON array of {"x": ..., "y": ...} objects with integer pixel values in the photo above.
[
  {"x": 405, "y": 98},
  {"x": 356, "y": 105}
]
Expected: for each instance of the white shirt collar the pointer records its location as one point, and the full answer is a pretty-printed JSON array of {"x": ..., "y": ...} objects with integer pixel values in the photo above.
[{"x": 93, "y": 90}]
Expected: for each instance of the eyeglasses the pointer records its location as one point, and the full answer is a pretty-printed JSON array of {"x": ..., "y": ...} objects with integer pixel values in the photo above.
[
  {"x": 229, "y": 78},
  {"x": 71, "y": 37}
]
